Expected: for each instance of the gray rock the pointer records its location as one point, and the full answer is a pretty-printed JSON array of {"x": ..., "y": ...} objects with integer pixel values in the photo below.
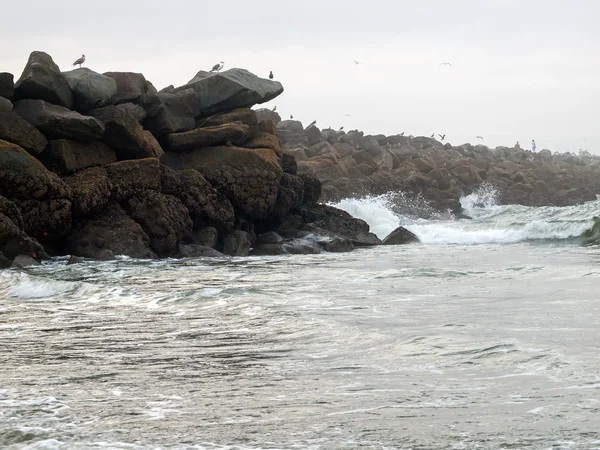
[
  {"x": 134, "y": 110},
  {"x": 302, "y": 247},
  {"x": 269, "y": 250},
  {"x": 65, "y": 157},
  {"x": 235, "y": 88},
  {"x": 400, "y": 236},
  {"x": 267, "y": 114},
  {"x": 15, "y": 129},
  {"x": 131, "y": 87},
  {"x": 232, "y": 133},
  {"x": 291, "y": 133},
  {"x": 42, "y": 79},
  {"x": 207, "y": 237},
  {"x": 7, "y": 85},
  {"x": 236, "y": 243},
  {"x": 198, "y": 251},
  {"x": 57, "y": 122},
  {"x": 176, "y": 112},
  {"x": 24, "y": 261},
  {"x": 4, "y": 262},
  {"x": 269, "y": 237},
  {"x": 75, "y": 260},
  {"x": 313, "y": 135},
  {"x": 90, "y": 89},
  {"x": 338, "y": 245},
  {"x": 288, "y": 164}
]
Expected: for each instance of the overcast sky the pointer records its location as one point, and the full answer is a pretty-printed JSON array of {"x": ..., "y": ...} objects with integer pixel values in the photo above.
[{"x": 521, "y": 69}]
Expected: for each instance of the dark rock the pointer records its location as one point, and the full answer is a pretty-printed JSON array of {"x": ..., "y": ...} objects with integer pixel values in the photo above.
[
  {"x": 176, "y": 112},
  {"x": 90, "y": 89},
  {"x": 24, "y": 261},
  {"x": 65, "y": 157},
  {"x": 267, "y": 126},
  {"x": 248, "y": 178},
  {"x": 15, "y": 129},
  {"x": 400, "y": 236},
  {"x": 4, "y": 262},
  {"x": 46, "y": 220},
  {"x": 270, "y": 237},
  {"x": 14, "y": 241},
  {"x": 207, "y": 237},
  {"x": 268, "y": 250},
  {"x": 206, "y": 205},
  {"x": 10, "y": 210},
  {"x": 136, "y": 111},
  {"x": 125, "y": 135},
  {"x": 198, "y": 251},
  {"x": 163, "y": 218},
  {"x": 338, "y": 245},
  {"x": 57, "y": 122},
  {"x": 7, "y": 85},
  {"x": 290, "y": 195},
  {"x": 265, "y": 140},
  {"x": 302, "y": 247},
  {"x": 267, "y": 114},
  {"x": 91, "y": 191},
  {"x": 42, "y": 80},
  {"x": 235, "y": 88},
  {"x": 313, "y": 135},
  {"x": 244, "y": 115},
  {"x": 130, "y": 178},
  {"x": 108, "y": 234},
  {"x": 236, "y": 244},
  {"x": 288, "y": 164},
  {"x": 199, "y": 76},
  {"x": 131, "y": 87},
  {"x": 234, "y": 133},
  {"x": 167, "y": 90},
  {"x": 312, "y": 189},
  {"x": 75, "y": 260},
  {"x": 24, "y": 177}
]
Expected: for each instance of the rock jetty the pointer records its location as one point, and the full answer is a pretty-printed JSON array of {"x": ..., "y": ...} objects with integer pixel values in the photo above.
[{"x": 98, "y": 165}]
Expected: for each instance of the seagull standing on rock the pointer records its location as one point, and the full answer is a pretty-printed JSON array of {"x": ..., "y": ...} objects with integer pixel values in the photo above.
[
  {"x": 314, "y": 122},
  {"x": 271, "y": 75},
  {"x": 80, "y": 61},
  {"x": 218, "y": 67}
]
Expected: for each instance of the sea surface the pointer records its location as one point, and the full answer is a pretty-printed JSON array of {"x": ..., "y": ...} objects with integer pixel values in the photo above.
[{"x": 483, "y": 336}]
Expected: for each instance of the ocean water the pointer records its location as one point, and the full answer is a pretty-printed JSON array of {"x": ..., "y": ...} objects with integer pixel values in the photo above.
[{"x": 485, "y": 335}]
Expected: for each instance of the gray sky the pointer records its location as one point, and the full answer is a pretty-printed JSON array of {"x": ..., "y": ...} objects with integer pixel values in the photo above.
[{"x": 522, "y": 69}]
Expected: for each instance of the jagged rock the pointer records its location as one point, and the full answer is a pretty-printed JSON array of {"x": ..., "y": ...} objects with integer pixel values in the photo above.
[
  {"x": 267, "y": 126},
  {"x": 167, "y": 90},
  {"x": 249, "y": 178},
  {"x": 46, "y": 220},
  {"x": 57, "y": 122},
  {"x": 130, "y": 178},
  {"x": 265, "y": 140},
  {"x": 400, "y": 236},
  {"x": 163, "y": 218},
  {"x": 244, "y": 115},
  {"x": 234, "y": 133},
  {"x": 24, "y": 261},
  {"x": 90, "y": 89},
  {"x": 299, "y": 154},
  {"x": 268, "y": 114},
  {"x": 91, "y": 191},
  {"x": 136, "y": 111},
  {"x": 7, "y": 85},
  {"x": 270, "y": 237},
  {"x": 288, "y": 164},
  {"x": 206, "y": 205},
  {"x": 4, "y": 262},
  {"x": 10, "y": 210},
  {"x": 234, "y": 88},
  {"x": 41, "y": 79},
  {"x": 125, "y": 135},
  {"x": 269, "y": 250},
  {"x": 65, "y": 157},
  {"x": 198, "y": 251},
  {"x": 15, "y": 129},
  {"x": 108, "y": 234},
  {"x": 24, "y": 177},
  {"x": 312, "y": 189},
  {"x": 14, "y": 241},
  {"x": 207, "y": 237},
  {"x": 291, "y": 133},
  {"x": 236, "y": 244},
  {"x": 289, "y": 195},
  {"x": 176, "y": 113},
  {"x": 131, "y": 87}
]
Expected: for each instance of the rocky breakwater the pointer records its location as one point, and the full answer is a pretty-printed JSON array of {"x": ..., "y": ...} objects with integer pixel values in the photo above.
[
  {"x": 99, "y": 165},
  {"x": 354, "y": 164}
]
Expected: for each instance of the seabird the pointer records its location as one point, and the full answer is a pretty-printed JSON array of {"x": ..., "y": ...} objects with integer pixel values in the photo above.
[
  {"x": 357, "y": 62},
  {"x": 479, "y": 137},
  {"x": 445, "y": 64},
  {"x": 433, "y": 135},
  {"x": 341, "y": 128},
  {"x": 218, "y": 67},
  {"x": 314, "y": 122},
  {"x": 347, "y": 115},
  {"x": 271, "y": 75},
  {"x": 442, "y": 136},
  {"x": 274, "y": 108},
  {"x": 80, "y": 61},
  {"x": 402, "y": 134},
  {"x": 291, "y": 116}
]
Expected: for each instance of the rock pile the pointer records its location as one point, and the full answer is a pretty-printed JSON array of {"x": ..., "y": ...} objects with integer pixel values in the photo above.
[{"x": 98, "y": 165}]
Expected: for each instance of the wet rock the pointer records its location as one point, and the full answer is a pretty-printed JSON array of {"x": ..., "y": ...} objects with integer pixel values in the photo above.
[
  {"x": 14, "y": 241},
  {"x": 236, "y": 244},
  {"x": 312, "y": 189},
  {"x": 57, "y": 122},
  {"x": 15, "y": 129},
  {"x": 207, "y": 237},
  {"x": 125, "y": 135},
  {"x": 24, "y": 261},
  {"x": 75, "y": 260},
  {"x": 291, "y": 133},
  {"x": 302, "y": 247},
  {"x": 198, "y": 251},
  {"x": 234, "y": 133},
  {"x": 288, "y": 164},
  {"x": 7, "y": 85},
  {"x": 269, "y": 250},
  {"x": 90, "y": 89},
  {"x": 130, "y": 178},
  {"x": 270, "y": 237},
  {"x": 290, "y": 195},
  {"x": 46, "y": 220},
  {"x": 10, "y": 210},
  {"x": 66, "y": 157},
  {"x": 400, "y": 236},
  {"x": 91, "y": 191},
  {"x": 42, "y": 80},
  {"x": 338, "y": 245}
]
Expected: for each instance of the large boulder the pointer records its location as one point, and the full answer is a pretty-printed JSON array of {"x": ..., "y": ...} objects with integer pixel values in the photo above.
[
  {"x": 7, "y": 85},
  {"x": 125, "y": 134},
  {"x": 57, "y": 122},
  {"x": 65, "y": 157},
  {"x": 41, "y": 79},
  {"x": 46, "y": 220},
  {"x": 400, "y": 236},
  {"x": 108, "y": 234},
  {"x": 312, "y": 189},
  {"x": 290, "y": 195},
  {"x": 15, "y": 129},
  {"x": 291, "y": 133},
  {"x": 313, "y": 135},
  {"x": 90, "y": 89},
  {"x": 206, "y": 205},
  {"x": 249, "y": 178},
  {"x": 131, "y": 178},
  {"x": 268, "y": 114},
  {"x": 233, "y": 133},
  {"x": 236, "y": 244},
  {"x": 91, "y": 191},
  {"x": 131, "y": 87},
  {"x": 165, "y": 220},
  {"x": 176, "y": 112},
  {"x": 24, "y": 177},
  {"x": 265, "y": 140},
  {"x": 10, "y": 210},
  {"x": 14, "y": 241},
  {"x": 235, "y": 88},
  {"x": 289, "y": 164}
]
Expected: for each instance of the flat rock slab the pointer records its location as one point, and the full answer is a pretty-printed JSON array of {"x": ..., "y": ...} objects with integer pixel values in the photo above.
[
  {"x": 57, "y": 122},
  {"x": 234, "y": 133},
  {"x": 15, "y": 129},
  {"x": 65, "y": 157}
]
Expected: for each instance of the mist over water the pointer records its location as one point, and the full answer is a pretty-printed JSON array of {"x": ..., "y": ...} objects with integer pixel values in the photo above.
[{"x": 482, "y": 336}]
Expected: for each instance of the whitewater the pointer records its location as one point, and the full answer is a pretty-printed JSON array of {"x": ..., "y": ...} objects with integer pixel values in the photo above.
[{"x": 483, "y": 335}]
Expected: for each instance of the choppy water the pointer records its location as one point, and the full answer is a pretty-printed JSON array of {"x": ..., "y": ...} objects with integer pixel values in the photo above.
[{"x": 485, "y": 336}]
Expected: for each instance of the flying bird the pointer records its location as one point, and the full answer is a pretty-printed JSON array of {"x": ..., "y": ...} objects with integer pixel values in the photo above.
[
  {"x": 80, "y": 61},
  {"x": 347, "y": 115},
  {"x": 218, "y": 67},
  {"x": 479, "y": 137},
  {"x": 445, "y": 64},
  {"x": 271, "y": 75},
  {"x": 357, "y": 62},
  {"x": 442, "y": 136}
]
